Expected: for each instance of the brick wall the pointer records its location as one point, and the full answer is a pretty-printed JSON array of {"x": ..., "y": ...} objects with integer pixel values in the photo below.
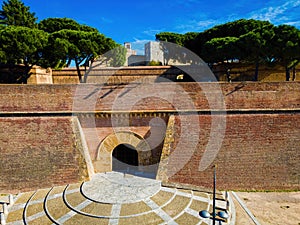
[
  {"x": 36, "y": 98},
  {"x": 260, "y": 149},
  {"x": 38, "y": 152},
  {"x": 244, "y": 72},
  {"x": 259, "y": 152},
  {"x": 93, "y": 97},
  {"x": 113, "y": 75}
]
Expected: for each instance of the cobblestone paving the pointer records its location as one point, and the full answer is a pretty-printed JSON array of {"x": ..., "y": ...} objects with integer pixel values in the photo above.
[{"x": 110, "y": 198}]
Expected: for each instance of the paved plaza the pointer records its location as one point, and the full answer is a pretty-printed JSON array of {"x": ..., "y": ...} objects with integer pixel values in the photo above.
[{"x": 111, "y": 198}]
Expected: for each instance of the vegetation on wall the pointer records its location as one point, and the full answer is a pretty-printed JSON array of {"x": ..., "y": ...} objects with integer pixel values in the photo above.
[{"x": 154, "y": 63}]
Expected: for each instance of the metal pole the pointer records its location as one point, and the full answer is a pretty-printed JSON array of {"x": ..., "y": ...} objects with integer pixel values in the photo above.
[
  {"x": 2, "y": 219},
  {"x": 214, "y": 197}
]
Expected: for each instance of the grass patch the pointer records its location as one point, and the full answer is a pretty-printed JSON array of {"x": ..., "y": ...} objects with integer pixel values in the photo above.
[
  {"x": 162, "y": 197},
  {"x": 57, "y": 190},
  {"x": 148, "y": 219},
  {"x": 134, "y": 208},
  {"x": 42, "y": 220},
  {"x": 198, "y": 205},
  {"x": 73, "y": 186},
  {"x": 57, "y": 208},
  {"x": 80, "y": 219},
  {"x": 186, "y": 218},
  {"x": 34, "y": 209},
  {"x": 176, "y": 206},
  {"x": 98, "y": 209},
  {"x": 15, "y": 216},
  {"x": 185, "y": 191},
  {"x": 40, "y": 194},
  {"x": 75, "y": 198},
  {"x": 24, "y": 197},
  {"x": 200, "y": 194}
]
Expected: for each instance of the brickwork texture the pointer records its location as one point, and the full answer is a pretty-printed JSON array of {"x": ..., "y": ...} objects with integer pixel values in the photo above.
[
  {"x": 260, "y": 149},
  {"x": 38, "y": 152}
]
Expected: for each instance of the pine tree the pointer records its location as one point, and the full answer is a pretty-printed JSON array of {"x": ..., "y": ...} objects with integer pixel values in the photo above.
[{"x": 14, "y": 12}]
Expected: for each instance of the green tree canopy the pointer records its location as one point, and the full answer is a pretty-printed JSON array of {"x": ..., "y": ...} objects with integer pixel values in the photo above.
[
  {"x": 80, "y": 46},
  {"x": 55, "y": 43},
  {"x": 52, "y": 25},
  {"x": 256, "y": 45},
  {"x": 117, "y": 56},
  {"x": 233, "y": 29},
  {"x": 249, "y": 41},
  {"x": 170, "y": 37},
  {"x": 221, "y": 49},
  {"x": 70, "y": 41},
  {"x": 286, "y": 47},
  {"x": 22, "y": 45},
  {"x": 14, "y": 12}
]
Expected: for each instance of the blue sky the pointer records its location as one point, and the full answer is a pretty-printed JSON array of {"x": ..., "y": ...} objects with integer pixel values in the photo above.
[{"x": 138, "y": 21}]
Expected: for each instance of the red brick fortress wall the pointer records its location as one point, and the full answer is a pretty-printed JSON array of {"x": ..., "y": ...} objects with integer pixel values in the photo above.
[
  {"x": 239, "y": 72},
  {"x": 60, "y": 98},
  {"x": 258, "y": 152},
  {"x": 38, "y": 152},
  {"x": 260, "y": 148}
]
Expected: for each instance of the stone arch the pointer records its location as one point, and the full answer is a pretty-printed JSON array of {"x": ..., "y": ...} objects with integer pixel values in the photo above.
[{"x": 103, "y": 162}]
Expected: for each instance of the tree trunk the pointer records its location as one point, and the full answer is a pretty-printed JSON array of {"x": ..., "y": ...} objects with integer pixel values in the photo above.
[
  {"x": 69, "y": 62},
  {"x": 256, "y": 71},
  {"x": 287, "y": 73},
  {"x": 25, "y": 74},
  {"x": 228, "y": 75},
  {"x": 294, "y": 73},
  {"x": 78, "y": 70}
]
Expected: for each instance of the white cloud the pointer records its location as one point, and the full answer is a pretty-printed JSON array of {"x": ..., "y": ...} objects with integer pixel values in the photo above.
[
  {"x": 207, "y": 23},
  {"x": 152, "y": 32},
  {"x": 106, "y": 20},
  {"x": 196, "y": 25},
  {"x": 139, "y": 45},
  {"x": 184, "y": 3},
  {"x": 294, "y": 23},
  {"x": 277, "y": 13}
]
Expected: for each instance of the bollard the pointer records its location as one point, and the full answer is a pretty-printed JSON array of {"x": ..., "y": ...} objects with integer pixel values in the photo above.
[
  {"x": 227, "y": 201},
  {"x": 10, "y": 199},
  {"x": 2, "y": 219},
  {"x": 5, "y": 209}
]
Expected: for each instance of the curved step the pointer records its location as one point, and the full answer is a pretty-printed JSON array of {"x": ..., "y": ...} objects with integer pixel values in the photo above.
[
  {"x": 25, "y": 208},
  {"x": 46, "y": 208}
]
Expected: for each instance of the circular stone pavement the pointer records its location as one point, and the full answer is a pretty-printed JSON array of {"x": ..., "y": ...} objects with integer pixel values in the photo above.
[
  {"x": 118, "y": 188},
  {"x": 110, "y": 198}
]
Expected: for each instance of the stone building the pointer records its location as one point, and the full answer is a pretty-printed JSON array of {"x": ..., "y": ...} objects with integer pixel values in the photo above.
[{"x": 153, "y": 52}]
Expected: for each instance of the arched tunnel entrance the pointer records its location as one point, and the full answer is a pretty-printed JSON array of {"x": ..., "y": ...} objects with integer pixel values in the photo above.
[
  {"x": 125, "y": 158},
  {"x": 126, "y": 152}
]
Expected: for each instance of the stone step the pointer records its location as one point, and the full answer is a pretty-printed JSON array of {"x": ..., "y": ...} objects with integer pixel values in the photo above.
[{"x": 68, "y": 204}]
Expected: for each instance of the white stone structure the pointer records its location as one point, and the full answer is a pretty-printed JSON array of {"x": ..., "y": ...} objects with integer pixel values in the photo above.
[
  {"x": 130, "y": 52},
  {"x": 153, "y": 52}
]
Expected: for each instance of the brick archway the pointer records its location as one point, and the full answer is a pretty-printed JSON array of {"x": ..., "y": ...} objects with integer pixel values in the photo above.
[{"x": 103, "y": 161}]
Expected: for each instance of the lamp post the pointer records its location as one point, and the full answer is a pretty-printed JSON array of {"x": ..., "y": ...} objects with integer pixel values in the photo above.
[{"x": 221, "y": 214}]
